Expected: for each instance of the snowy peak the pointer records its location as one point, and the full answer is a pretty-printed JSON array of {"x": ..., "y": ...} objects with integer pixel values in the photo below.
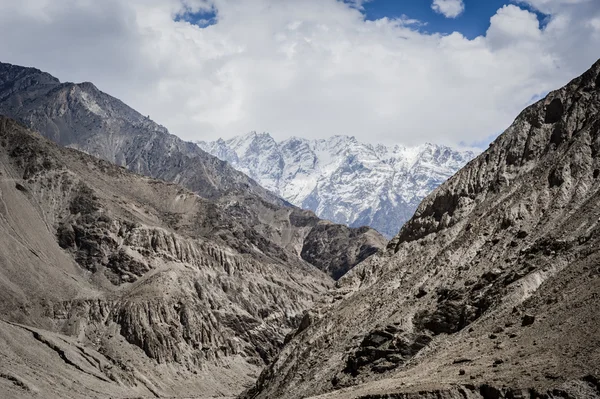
[
  {"x": 341, "y": 178},
  {"x": 220, "y": 149},
  {"x": 256, "y": 154}
]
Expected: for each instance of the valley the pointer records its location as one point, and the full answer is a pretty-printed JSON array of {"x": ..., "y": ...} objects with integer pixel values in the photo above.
[{"x": 135, "y": 264}]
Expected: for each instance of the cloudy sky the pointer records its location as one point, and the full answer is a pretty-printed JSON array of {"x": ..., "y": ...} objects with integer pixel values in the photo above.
[{"x": 410, "y": 71}]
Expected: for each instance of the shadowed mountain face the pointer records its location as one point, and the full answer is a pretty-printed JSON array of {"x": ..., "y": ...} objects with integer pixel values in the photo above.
[
  {"x": 81, "y": 116},
  {"x": 491, "y": 290}
]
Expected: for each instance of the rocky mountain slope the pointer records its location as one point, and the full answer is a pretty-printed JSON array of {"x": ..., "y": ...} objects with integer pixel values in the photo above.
[
  {"x": 117, "y": 285},
  {"x": 342, "y": 179},
  {"x": 491, "y": 290},
  {"x": 82, "y": 117}
]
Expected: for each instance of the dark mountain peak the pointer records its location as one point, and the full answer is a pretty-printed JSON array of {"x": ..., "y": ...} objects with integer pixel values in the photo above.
[
  {"x": 10, "y": 73},
  {"x": 15, "y": 79},
  {"x": 88, "y": 85},
  {"x": 82, "y": 116}
]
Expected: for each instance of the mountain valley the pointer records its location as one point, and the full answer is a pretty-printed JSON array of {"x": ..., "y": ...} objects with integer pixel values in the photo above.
[
  {"x": 136, "y": 265},
  {"x": 82, "y": 117},
  {"x": 147, "y": 282}
]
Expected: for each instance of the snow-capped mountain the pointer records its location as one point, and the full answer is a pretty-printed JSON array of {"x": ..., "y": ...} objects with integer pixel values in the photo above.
[{"x": 342, "y": 179}]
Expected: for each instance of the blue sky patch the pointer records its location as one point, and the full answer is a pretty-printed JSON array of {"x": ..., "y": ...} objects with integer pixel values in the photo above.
[
  {"x": 473, "y": 22},
  {"x": 201, "y": 18}
]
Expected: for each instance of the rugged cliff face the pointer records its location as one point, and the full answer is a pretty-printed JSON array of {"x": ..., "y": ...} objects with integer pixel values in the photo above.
[
  {"x": 134, "y": 285},
  {"x": 82, "y": 117},
  {"x": 342, "y": 179},
  {"x": 491, "y": 290}
]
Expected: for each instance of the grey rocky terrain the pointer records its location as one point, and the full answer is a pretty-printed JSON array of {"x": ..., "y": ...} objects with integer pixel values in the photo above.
[
  {"x": 81, "y": 116},
  {"x": 114, "y": 284},
  {"x": 138, "y": 287},
  {"x": 491, "y": 290},
  {"x": 117, "y": 285}
]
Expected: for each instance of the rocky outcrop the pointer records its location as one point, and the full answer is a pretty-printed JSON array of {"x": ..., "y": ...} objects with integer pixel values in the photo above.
[
  {"x": 490, "y": 285},
  {"x": 342, "y": 179},
  {"x": 346, "y": 247},
  {"x": 385, "y": 349}
]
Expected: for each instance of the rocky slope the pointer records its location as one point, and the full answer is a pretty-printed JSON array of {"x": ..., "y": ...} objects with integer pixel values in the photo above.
[
  {"x": 81, "y": 116},
  {"x": 491, "y": 290},
  {"x": 131, "y": 286},
  {"x": 342, "y": 179}
]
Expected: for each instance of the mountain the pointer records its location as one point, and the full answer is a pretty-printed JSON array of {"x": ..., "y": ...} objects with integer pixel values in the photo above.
[
  {"x": 491, "y": 290},
  {"x": 82, "y": 117},
  {"x": 342, "y": 179},
  {"x": 130, "y": 283}
]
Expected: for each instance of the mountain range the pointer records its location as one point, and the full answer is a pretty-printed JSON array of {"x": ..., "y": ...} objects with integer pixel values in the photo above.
[
  {"x": 82, "y": 117},
  {"x": 342, "y": 179}
]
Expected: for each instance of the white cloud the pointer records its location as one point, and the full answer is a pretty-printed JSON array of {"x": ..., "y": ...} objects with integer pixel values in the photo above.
[
  {"x": 448, "y": 8},
  {"x": 357, "y": 3},
  {"x": 551, "y": 6},
  {"x": 512, "y": 26},
  {"x": 313, "y": 68}
]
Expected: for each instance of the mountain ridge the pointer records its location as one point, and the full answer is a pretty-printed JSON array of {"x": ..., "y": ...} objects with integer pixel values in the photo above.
[
  {"x": 138, "y": 254},
  {"x": 342, "y": 179},
  {"x": 134, "y": 286},
  {"x": 83, "y": 117}
]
